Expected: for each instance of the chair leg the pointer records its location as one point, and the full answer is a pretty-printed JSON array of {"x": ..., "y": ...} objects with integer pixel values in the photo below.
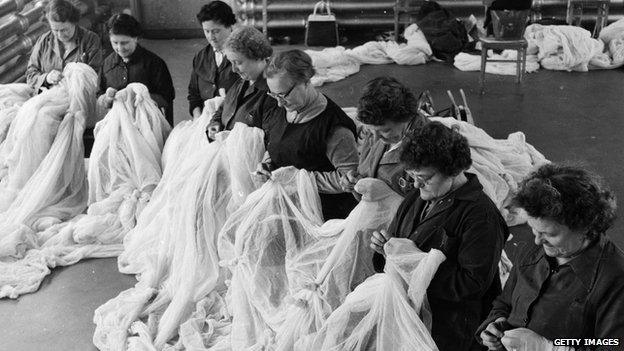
[
  {"x": 483, "y": 62},
  {"x": 524, "y": 58},
  {"x": 518, "y": 65}
]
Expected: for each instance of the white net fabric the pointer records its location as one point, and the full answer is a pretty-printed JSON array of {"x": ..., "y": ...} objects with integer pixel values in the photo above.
[
  {"x": 124, "y": 168},
  {"x": 41, "y": 161},
  {"x": 173, "y": 246},
  {"x": 382, "y": 313},
  {"x": 12, "y": 97}
]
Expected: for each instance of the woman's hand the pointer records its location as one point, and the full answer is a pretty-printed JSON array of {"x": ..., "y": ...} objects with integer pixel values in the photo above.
[
  {"x": 262, "y": 173},
  {"x": 378, "y": 240},
  {"x": 348, "y": 180},
  {"x": 213, "y": 129},
  {"x": 491, "y": 336},
  {"x": 523, "y": 339},
  {"x": 54, "y": 77},
  {"x": 109, "y": 97}
]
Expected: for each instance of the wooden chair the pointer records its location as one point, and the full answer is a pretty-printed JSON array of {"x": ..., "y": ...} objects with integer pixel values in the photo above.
[
  {"x": 520, "y": 45},
  {"x": 404, "y": 14},
  {"x": 576, "y": 8}
]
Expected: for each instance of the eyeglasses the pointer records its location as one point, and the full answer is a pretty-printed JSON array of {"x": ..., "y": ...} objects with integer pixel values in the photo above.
[
  {"x": 281, "y": 96},
  {"x": 424, "y": 180}
]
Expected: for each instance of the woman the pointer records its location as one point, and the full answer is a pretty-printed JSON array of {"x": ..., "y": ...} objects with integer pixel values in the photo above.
[
  {"x": 388, "y": 111},
  {"x": 306, "y": 129},
  {"x": 571, "y": 284},
  {"x": 248, "y": 50},
  {"x": 65, "y": 42},
  {"x": 131, "y": 63},
  {"x": 449, "y": 211},
  {"x": 211, "y": 70}
]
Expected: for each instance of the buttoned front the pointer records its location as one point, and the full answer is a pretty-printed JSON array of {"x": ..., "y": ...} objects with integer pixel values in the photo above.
[
  {"x": 583, "y": 298},
  {"x": 468, "y": 228},
  {"x": 240, "y": 104},
  {"x": 46, "y": 55},
  {"x": 143, "y": 67},
  {"x": 207, "y": 78}
]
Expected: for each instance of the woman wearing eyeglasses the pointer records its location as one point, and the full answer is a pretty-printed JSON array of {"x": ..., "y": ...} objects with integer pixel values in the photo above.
[
  {"x": 248, "y": 50},
  {"x": 449, "y": 211},
  {"x": 306, "y": 129},
  {"x": 388, "y": 110}
]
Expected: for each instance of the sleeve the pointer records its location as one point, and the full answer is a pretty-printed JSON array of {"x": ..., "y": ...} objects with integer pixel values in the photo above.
[
  {"x": 609, "y": 321},
  {"x": 194, "y": 98},
  {"x": 480, "y": 245},
  {"x": 342, "y": 153},
  {"x": 102, "y": 84},
  {"x": 501, "y": 306},
  {"x": 94, "y": 52},
  {"x": 164, "y": 92},
  {"x": 35, "y": 76}
]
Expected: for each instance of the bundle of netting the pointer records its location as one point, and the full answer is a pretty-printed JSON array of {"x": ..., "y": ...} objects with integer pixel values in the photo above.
[
  {"x": 124, "y": 168},
  {"x": 384, "y": 312},
  {"x": 12, "y": 97},
  {"x": 173, "y": 248},
  {"x": 42, "y": 173}
]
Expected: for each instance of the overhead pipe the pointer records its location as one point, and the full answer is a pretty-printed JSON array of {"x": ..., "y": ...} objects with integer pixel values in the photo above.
[
  {"x": 22, "y": 45},
  {"x": 8, "y": 6},
  {"x": 250, "y": 7},
  {"x": 19, "y": 23},
  {"x": 12, "y": 72}
]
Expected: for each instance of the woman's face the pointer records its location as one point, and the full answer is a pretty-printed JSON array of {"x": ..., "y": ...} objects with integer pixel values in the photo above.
[
  {"x": 246, "y": 68},
  {"x": 62, "y": 31},
  {"x": 288, "y": 93},
  {"x": 123, "y": 45},
  {"x": 389, "y": 133},
  {"x": 216, "y": 34},
  {"x": 431, "y": 182},
  {"x": 558, "y": 240}
]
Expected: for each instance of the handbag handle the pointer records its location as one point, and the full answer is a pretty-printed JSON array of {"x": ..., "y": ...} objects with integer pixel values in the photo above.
[{"x": 323, "y": 4}]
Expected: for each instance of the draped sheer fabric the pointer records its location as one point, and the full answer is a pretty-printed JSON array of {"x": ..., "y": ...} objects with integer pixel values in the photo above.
[{"x": 124, "y": 168}]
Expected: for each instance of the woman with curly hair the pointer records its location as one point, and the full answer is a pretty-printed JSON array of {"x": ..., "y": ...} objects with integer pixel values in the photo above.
[
  {"x": 571, "y": 284},
  {"x": 248, "y": 50},
  {"x": 388, "y": 110},
  {"x": 449, "y": 211},
  {"x": 306, "y": 129}
]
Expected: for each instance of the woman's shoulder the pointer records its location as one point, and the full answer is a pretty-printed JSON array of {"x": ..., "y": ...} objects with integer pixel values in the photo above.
[
  {"x": 612, "y": 259},
  {"x": 88, "y": 35}
]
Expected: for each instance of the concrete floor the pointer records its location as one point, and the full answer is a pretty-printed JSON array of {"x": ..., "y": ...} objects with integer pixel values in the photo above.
[{"x": 567, "y": 116}]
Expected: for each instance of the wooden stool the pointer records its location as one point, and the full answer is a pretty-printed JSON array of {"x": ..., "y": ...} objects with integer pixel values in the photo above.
[
  {"x": 575, "y": 13},
  {"x": 520, "y": 45}
]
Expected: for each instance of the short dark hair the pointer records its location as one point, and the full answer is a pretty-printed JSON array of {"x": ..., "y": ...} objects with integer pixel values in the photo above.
[
  {"x": 62, "y": 11},
  {"x": 124, "y": 24},
  {"x": 249, "y": 42},
  {"x": 569, "y": 194},
  {"x": 435, "y": 145},
  {"x": 217, "y": 11},
  {"x": 385, "y": 99},
  {"x": 295, "y": 63}
]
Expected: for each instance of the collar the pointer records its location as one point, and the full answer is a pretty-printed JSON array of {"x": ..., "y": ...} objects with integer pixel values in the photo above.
[
  {"x": 260, "y": 83},
  {"x": 468, "y": 191},
  {"x": 584, "y": 266},
  {"x": 136, "y": 55},
  {"x": 77, "y": 39}
]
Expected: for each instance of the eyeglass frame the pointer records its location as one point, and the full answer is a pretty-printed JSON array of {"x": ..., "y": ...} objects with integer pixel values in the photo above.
[
  {"x": 405, "y": 182},
  {"x": 282, "y": 96}
]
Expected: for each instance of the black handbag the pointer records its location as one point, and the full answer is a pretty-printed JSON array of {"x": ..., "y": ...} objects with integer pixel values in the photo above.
[{"x": 321, "y": 29}]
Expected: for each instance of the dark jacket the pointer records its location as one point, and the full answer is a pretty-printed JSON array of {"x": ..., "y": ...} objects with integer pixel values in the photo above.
[
  {"x": 207, "y": 78},
  {"x": 468, "y": 227},
  {"x": 46, "y": 56},
  {"x": 241, "y": 103},
  {"x": 583, "y": 298},
  {"x": 144, "y": 67},
  {"x": 304, "y": 145}
]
